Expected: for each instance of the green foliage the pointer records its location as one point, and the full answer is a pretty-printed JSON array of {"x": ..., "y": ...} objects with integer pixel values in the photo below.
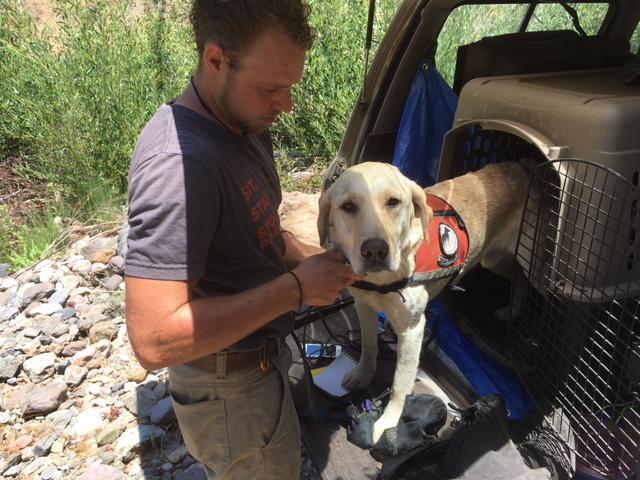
[
  {"x": 75, "y": 98},
  {"x": 24, "y": 244},
  {"x": 334, "y": 70},
  {"x": 74, "y": 102},
  {"x": 7, "y": 234},
  {"x": 635, "y": 40}
]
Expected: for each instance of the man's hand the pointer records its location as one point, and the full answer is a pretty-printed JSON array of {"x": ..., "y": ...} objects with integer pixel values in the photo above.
[{"x": 323, "y": 276}]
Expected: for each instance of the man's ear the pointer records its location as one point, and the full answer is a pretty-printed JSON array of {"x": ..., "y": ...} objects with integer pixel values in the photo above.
[
  {"x": 324, "y": 208},
  {"x": 213, "y": 56},
  {"x": 421, "y": 209}
]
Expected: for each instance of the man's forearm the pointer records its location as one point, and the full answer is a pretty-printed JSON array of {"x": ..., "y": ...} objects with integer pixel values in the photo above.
[
  {"x": 296, "y": 251},
  {"x": 203, "y": 326}
]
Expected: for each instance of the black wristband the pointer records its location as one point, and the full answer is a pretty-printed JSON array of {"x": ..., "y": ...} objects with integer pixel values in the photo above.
[{"x": 299, "y": 289}]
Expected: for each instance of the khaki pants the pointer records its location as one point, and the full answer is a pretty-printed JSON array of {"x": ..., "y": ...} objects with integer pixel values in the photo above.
[{"x": 239, "y": 424}]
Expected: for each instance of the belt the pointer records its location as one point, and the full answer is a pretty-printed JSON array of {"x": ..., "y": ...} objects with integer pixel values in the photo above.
[{"x": 241, "y": 360}]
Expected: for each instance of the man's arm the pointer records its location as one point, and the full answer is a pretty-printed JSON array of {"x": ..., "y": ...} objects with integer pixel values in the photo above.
[
  {"x": 168, "y": 327},
  {"x": 296, "y": 251}
]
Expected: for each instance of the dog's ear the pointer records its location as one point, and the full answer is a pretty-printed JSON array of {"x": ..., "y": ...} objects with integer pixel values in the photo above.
[
  {"x": 421, "y": 209},
  {"x": 324, "y": 208}
]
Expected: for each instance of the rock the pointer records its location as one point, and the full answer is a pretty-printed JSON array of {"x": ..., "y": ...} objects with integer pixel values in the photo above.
[
  {"x": 31, "y": 332},
  {"x": 162, "y": 412},
  {"x": 89, "y": 422},
  {"x": 97, "y": 471},
  {"x": 40, "y": 367},
  {"x": 110, "y": 435},
  {"x": 137, "y": 373},
  {"x": 69, "y": 282},
  {"x": 44, "y": 309},
  {"x": 83, "y": 357},
  {"x": 298, "y": 214},
  {"x": 89, "y": 320},
  {"x": 74, "y": 375},
  {"x": 43, "y": 446},
  {"x": 103, "y": 330},
  {"x": 8, "y": 313},
  {"x": 44, "y": 399},
  {"x": 36, "y": 292},
  {"x": 74, "y": 347},
  {"x": 194, "y": 472},
  {"x": 5, "y": 268},
  {"x": 67, "y": 312},
  {"x": 54, "y": 327},
  {"x": 96, "y": 254},
  {"x": 175, "y": 452},
  {"x": 60, "y": 297},
  {"x": 7, "y": 283},
  {"x": 140, "y": 402},
  {"x": 23, "y": 442},
  {"x": 8, "y": 298},
  {"x": 113, "y": 282},
  {"x": 81, "y": 266},
  {"x": 116, "y": 264},
  {"x": 9, "y": 366},
  {"x": 51, "y": 473},
  {"x": 11, "y": 462},
  {"x": 60, "y": 419},
  {"x": 135, "y": 439}
]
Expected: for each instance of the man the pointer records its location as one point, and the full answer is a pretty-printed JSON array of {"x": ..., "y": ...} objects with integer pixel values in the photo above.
[{"x": 211, "y": 279}]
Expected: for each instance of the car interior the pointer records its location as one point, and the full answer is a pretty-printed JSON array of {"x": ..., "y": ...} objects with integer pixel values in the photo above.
[{"x": 565, "y": 94}]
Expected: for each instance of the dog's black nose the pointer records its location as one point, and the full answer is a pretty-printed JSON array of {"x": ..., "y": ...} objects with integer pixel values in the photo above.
[{"x": 374, "y": 250}]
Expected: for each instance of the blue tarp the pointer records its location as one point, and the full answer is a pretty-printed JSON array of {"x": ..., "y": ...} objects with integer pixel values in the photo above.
[{"x": 427, "y": 116}]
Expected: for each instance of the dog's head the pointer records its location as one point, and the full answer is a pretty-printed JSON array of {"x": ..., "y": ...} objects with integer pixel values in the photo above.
[{"x": 375, "y": 216}]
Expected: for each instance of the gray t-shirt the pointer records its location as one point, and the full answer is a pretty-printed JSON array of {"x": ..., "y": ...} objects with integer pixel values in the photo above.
[{"x": 203, "y": 204}]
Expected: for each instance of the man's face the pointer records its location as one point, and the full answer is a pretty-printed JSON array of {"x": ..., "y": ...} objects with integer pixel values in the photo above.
[{"x": 258, "y": 88}]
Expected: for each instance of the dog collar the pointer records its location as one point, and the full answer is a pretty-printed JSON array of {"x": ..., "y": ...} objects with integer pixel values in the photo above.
[{"x": 445, "y": 260}]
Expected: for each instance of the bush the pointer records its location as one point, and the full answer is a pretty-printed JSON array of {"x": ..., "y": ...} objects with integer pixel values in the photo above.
[{"x": 75, "y": 102}]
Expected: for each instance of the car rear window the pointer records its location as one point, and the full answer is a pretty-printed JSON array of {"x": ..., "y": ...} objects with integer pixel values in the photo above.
[
  {"x": 469, "y": 23},
  {"x": 635, "y": 40},
  {"x": 553, "y": 16}
]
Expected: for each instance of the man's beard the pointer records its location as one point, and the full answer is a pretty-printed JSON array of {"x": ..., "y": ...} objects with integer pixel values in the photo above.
[{"x": 227, "y": 110}]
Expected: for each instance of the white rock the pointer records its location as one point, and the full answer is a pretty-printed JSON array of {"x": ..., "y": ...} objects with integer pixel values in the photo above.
[
  {"x": 45, "y": 309},
  {"x": 88, "y": 422},
  {"x": 7, "y": 283}
]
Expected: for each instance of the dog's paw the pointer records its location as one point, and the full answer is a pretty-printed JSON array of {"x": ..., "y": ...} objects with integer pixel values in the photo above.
[
  {"x": 358, "y": 378},
  {"x": 384, "y": 422}
]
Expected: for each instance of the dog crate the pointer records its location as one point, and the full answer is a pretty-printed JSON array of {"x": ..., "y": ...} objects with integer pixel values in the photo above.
[
  {"x": 574, "y": 337},
  {"x": 575, "y": 332}
]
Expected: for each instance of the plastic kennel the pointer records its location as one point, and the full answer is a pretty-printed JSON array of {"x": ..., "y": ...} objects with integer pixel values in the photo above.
[{"x": 576, "y": 333}]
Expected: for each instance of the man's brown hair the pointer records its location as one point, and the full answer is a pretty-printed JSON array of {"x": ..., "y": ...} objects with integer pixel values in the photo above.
[{"x": 235, "y": 24}]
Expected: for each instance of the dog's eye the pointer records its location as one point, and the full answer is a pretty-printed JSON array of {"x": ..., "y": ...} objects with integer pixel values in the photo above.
[
  {"x": 392, "y": 202},
  {"x": 349, "y": 207}
]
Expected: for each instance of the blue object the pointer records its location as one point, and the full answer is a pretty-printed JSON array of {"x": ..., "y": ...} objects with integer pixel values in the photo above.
[
  {"x": 483, "y": 373},
  {"x": 428, "y": 115}
]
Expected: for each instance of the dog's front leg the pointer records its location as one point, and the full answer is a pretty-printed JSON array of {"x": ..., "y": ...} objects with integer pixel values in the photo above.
[
  {"x": 409, "y": 346},
  {"x": 363, "y": 373}
]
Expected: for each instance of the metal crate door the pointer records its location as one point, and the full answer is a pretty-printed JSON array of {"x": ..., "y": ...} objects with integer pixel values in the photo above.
[{"x": 576, "y": 333}]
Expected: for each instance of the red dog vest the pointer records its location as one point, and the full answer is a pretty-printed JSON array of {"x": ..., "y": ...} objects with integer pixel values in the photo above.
[{"x": 448, "y": 246}]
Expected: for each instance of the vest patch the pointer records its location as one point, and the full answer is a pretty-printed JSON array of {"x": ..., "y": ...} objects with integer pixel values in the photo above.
[{"x": 447, "y": 250}]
